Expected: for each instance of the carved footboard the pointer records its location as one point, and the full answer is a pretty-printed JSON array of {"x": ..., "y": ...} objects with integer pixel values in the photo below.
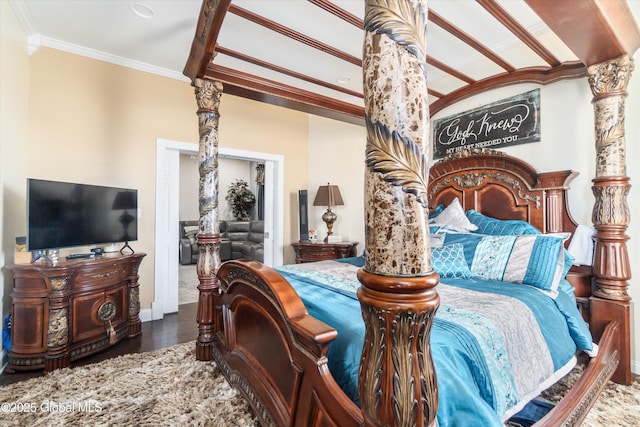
[
  {"x": 274, "y": 352},
  {"x": 575, "y": 405}
]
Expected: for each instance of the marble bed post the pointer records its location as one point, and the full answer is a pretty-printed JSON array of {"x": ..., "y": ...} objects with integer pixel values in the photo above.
[
  {"x": 398, "y": 298},
  {"x": 611, "y": 186},
  {"x": 208, "y": 95}
]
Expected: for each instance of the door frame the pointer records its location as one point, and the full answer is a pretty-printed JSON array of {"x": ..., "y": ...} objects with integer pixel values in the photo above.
[{"x": 167, "y": 215}]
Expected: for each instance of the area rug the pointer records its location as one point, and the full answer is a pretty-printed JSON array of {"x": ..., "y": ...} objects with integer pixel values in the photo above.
[
  {"x": 161, "y": 388},
  {"x": 169, "y": 387},
  {"x": 187, "y": 284}
]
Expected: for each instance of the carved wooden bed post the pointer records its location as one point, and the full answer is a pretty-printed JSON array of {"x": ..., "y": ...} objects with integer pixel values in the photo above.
[
  {"x": 208, "y": 95},
  {"x": 611, "y": 216},
  {"x": 398, "y": 297}
]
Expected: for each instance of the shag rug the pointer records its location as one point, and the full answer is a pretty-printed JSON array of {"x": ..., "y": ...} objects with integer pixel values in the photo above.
[
  {"x": 187, "y": 284},
  {"x": 169, "y": 387},
  {"x": 165, "y": 387}
]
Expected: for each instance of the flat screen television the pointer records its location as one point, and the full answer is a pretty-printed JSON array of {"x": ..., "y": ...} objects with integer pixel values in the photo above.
[{"x": 64, "y": 214}]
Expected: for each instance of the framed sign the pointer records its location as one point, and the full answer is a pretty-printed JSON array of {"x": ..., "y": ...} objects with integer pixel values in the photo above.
[{"x": 510, "y": 121}]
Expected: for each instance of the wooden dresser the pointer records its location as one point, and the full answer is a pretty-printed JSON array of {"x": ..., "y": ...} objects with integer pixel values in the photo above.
[
  {"x": 74, "y": 308},
  {"x": 309, "y": 252}
]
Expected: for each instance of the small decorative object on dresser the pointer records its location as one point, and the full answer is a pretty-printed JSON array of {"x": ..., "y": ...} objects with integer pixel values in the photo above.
[{"x": 309, "y": 251}]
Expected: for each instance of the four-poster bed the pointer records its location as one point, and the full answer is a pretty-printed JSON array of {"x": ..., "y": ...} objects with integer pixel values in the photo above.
[{"x": 256, "y": 327}]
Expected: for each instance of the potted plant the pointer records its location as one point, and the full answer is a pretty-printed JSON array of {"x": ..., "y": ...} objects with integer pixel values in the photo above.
[{"x": 241, "y": 199}]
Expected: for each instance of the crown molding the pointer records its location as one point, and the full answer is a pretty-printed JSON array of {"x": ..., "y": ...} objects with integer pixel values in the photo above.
[
  {"x": 35, "y": 40},
  {"x": 110, "y": 58},
  {"x": 23, "y": 16}
]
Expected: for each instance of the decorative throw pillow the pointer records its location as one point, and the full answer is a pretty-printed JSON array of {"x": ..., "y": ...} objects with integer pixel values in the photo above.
[
  {"x": 453, "y": 217},
  {"x": 449, "y": 261},
  {"x": 499, "y": 227},
  {"x": 535, "y": 260}
]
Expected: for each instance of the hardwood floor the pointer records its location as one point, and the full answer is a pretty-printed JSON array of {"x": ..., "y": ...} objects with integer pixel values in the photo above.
[{"x": 173, "y": 329}]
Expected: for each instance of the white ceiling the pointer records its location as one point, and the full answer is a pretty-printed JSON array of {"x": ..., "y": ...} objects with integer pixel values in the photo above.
[{"x": 111, "y": 30}]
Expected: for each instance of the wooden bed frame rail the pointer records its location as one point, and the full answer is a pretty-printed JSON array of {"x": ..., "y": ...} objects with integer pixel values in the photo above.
[{"x": 274, "y": 353}]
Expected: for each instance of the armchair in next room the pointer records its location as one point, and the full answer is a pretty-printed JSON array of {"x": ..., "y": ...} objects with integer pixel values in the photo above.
[{"x": 188, "y": 251}]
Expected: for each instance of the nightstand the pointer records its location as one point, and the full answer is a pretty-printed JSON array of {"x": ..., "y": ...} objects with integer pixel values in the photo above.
[
  {"x": 310, "y": 252},
  {"x": 581, "y": 278}
]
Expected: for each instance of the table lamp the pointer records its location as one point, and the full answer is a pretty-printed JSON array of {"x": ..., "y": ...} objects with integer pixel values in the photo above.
[{"x": 328, "y": 195}]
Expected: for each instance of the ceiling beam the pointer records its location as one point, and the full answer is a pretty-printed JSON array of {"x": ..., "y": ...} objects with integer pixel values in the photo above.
[
  {"x": 294, "y": 35},
  {"x": 519, "y": 31},
  {"x": 540, "y": 75},
  {"x": 470, "y": 41},
  {"x": 246, "y": 58},
  {"x": 260, "y": 89},
  {"x": 210, "y": 19},
  {"x": 595, "y": 30}
]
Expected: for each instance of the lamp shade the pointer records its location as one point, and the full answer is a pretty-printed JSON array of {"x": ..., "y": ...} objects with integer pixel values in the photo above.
[
  {"x": 328, "y": 195},
  {"x": 125, "y": 200}
]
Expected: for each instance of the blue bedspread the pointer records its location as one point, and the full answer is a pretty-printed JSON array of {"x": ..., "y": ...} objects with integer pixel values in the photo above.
[{"x": 495, "y": 346}]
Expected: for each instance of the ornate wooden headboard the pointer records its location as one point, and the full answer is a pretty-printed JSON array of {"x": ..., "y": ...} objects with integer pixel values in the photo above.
[{"x": 504, "y": 187}]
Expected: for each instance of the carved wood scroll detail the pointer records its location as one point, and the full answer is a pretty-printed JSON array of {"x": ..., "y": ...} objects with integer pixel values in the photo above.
[
  {"x": 59, "y": 283},
  {"x": 238, "y": 381},
  {"x": 471, "y": 180}
]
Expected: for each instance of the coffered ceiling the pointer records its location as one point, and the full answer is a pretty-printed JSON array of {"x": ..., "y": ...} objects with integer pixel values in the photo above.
[{"x": 307, "y": 54}]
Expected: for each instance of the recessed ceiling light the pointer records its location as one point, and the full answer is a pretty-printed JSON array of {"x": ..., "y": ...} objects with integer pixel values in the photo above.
[
  {"x": 343, "y": 80},
  {"x": 142, "y": 10}
]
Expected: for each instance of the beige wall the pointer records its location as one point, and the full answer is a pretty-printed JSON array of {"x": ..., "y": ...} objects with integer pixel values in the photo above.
[
  {"x": 14, "y": 89},
  {"x": 97, "y": 123},
  {"x": 336, "y": 156}
]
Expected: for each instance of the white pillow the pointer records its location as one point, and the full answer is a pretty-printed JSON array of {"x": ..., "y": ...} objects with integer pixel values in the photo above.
[{"x": 453, "y": 217}]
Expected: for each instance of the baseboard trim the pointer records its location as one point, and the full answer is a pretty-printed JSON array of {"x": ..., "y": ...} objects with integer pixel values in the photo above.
[{"x": 146, "y": 315}]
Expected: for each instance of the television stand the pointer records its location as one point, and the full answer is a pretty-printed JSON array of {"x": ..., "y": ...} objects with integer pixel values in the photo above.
[{"x": 63, "y": 312}]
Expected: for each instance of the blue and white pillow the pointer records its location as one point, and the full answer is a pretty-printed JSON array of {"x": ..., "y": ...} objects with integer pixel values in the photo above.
[
  {"x": 449, "y": 261},
  {"x": 536, "y": 259},
  {"x": 499, "y": 227}
]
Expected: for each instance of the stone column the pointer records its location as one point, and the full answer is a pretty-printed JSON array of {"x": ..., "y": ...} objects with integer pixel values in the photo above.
[
  {"x": 611, "y": 216},
  {"x": 208, "y": 95},
  {"x": 398, "y": 297}
]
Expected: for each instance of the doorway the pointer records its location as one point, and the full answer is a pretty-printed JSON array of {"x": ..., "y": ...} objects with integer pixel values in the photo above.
[{"x": 167, "y": 215}]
